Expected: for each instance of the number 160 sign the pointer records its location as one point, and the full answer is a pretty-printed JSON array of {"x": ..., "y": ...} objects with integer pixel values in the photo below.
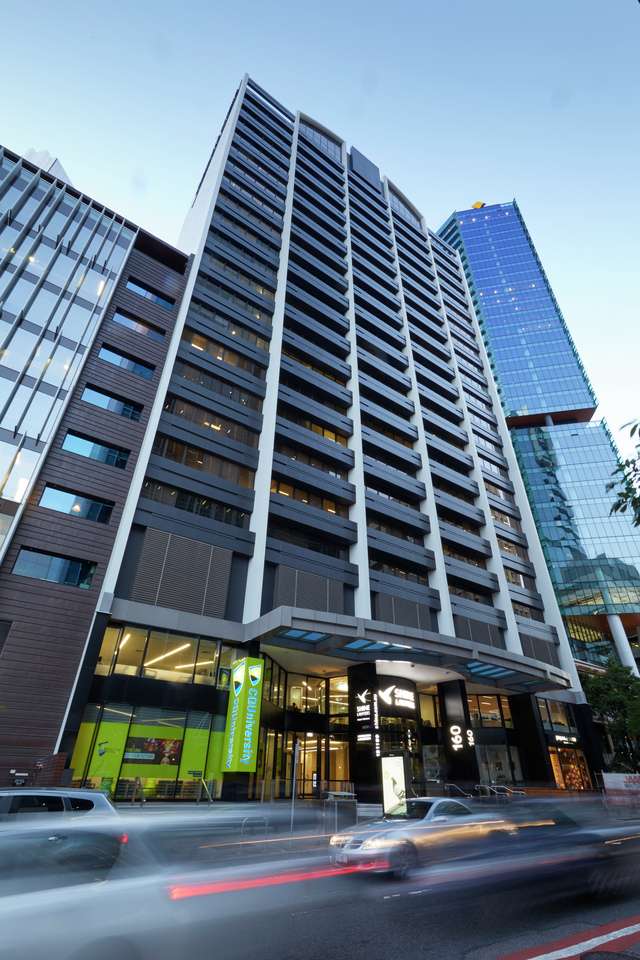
[{"x": 460, "y": 738}]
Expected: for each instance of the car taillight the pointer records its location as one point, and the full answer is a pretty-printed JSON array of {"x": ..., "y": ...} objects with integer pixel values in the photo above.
[{"x": 123, "y": 838}]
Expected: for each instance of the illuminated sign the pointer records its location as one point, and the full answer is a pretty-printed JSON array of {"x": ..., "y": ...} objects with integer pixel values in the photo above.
[
  {"x": 459, "y": 738},
  {"x": 563, "y": 738},
  {"x": 395, "y": 696},
  {"x": 394, "y": 788},
  {"x": 240, "y": 747}
]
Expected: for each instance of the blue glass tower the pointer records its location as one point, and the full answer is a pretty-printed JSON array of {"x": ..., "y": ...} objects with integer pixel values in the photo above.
[{"x": 566, "y": 456}]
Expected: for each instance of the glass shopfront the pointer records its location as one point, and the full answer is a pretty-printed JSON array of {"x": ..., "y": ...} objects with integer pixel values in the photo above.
[{"x": 126, "y": 748}]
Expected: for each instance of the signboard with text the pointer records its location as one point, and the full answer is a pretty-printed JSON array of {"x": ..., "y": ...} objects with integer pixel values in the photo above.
[
  {"x": 622, "y": 789},
  {"x": 240, "y": 746}
]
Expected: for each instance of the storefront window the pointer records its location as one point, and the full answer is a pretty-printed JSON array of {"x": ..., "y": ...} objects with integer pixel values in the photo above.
[
  {"x": 338, "y": 763},
  {"x": 559, "y": 715},
  {"x": 306, "y": 694},
  {"x": 489, "y": 711},
  {"x": 429, "y": 710},
  {"x": 569, "y": 768},
  {"x": 295, "y": 692},
  {"x": 152, "y": 752},
  {"x": 130, "y": 651},
  {"x": 110, "y": 641},
  {"x": 494, "y": 764},
  {"x": 227, "y": 656},
  {"x": 170, "y": 656},
  {"x": 315, "y": 695},
  {"x": 339, "y": 700},
  {"x": 506, "y": 712},
  {"x": 556, "y": 715},
  {"x": 205, "y": 668}
]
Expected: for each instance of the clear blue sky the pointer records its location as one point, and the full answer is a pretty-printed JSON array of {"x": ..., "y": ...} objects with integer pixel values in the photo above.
[{"x": 455, "y": 100}]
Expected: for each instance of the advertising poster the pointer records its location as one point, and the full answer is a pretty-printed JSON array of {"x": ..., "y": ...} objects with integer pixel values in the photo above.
[
  {"x": 152, "y": 750},
  {"x": 394, "y": 789}
]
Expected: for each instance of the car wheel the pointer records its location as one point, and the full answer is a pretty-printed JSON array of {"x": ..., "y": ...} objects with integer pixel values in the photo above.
[
  {"x": 403, "y": 860},
  {"x": 609, "y": 880}
]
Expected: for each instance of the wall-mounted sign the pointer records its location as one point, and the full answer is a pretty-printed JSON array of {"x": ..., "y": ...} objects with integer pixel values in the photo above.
[
  {"x": 398, "y": 696},
  {"x": 564, "y": 738},
  {"x": 460, "y": 737},
  {"x": 240, "y": 747},
  {"x": 394, "y": 788}
]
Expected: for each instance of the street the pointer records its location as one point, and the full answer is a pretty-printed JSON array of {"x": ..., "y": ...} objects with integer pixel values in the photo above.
[{"x": 378, "y": 919}]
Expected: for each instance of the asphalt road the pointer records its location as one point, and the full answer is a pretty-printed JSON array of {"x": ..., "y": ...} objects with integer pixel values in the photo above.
[{"x": 372, "y": 918}]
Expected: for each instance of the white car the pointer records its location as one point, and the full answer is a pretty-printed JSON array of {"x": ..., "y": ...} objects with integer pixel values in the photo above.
[
  {"x": 418, "y": 830},
  {"x": 32, "y": 803}
]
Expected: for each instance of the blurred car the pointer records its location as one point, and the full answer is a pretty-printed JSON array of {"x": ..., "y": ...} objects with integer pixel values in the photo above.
[
  {"x": 21, "y": 802},
  {"x": 149, "y": 886},
  {"x": 572, "y": 845},
  {"x": 417, "y": 831}
]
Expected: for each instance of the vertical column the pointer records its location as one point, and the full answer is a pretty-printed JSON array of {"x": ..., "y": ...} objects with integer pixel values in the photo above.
[
  {"x": 459, "y": 742},
  {"x": 358, "y": 514},
  {"x": 262, "y": 482},
  {"x": 532, "y": 741},
  {"x": 623, "y": 647},
  {"x": 437, "y": 577}
]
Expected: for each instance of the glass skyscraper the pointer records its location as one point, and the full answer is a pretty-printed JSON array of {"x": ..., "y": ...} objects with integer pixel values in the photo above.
[{"x": 566, "y": 456}]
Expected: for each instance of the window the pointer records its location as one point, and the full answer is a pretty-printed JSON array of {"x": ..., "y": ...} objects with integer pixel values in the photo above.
[
  {"x": 196, "y": 459},
  {"x": 429, "y": 713},
  {"x": 125, "y": 362},
  {"x": 150, "y": 294},
  {"x": 505, "y": 518},
  {"x": 113, "y": 403},
  {"x": 221, "y": 426},
  {"x": 216, "y": 385},
  {"x": 70, "y": 571},
  {"x": 338, "y": 699},
  {"x": 394, "y": 530},
  {"x": 523, "y": 610},
  {"x": 317, "y": 428},
  {"x": 306, "y": 496},
  {"x": 76, "y": 505},
  {"x": 322, "y": 142},
  {"x": 170, "y": 656},
  {"x": 138, "y": 326},
  {"x": 224, "y": 354},
  {"x": 193, "y": 503},
  {"x": 520, "y": 579},
  {"x": 85, "y": 447},
  {"x": 30, "y": 803},
  {"x": 395, "y": 570}
]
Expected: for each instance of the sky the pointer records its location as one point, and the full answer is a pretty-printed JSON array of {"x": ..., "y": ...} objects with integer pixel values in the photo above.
[{"x": 455, "y": 100}]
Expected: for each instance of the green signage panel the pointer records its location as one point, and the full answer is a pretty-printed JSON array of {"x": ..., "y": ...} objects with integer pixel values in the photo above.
[{"x": 240, "y": 749}]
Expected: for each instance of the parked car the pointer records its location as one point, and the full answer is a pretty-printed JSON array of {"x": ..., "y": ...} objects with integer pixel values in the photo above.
[{"x": 23, "y": 802}]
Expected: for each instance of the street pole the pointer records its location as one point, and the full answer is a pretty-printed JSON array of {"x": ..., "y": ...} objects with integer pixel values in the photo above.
[{"x": 296, "y": 750}]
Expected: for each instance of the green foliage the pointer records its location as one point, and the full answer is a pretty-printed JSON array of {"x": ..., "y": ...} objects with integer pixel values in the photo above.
[
  {"x": 615, "y": 698},
  {"x": 627, "y": 482}
]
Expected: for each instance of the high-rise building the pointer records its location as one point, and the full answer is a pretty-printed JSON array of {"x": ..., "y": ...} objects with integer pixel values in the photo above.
[
  {"x": 566, "y": 456},
  {"x": 277, "y": 517}
]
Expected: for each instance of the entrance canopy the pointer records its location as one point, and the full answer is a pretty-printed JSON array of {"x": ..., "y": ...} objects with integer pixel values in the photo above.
[{"x": 356, "y": 640}]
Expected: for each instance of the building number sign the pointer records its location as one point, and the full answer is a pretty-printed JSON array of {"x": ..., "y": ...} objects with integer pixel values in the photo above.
[{"x": 460, "y": 738}]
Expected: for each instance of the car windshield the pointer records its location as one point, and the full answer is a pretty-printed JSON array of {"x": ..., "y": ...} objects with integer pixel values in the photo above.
[{"x": 409, "y": 810}]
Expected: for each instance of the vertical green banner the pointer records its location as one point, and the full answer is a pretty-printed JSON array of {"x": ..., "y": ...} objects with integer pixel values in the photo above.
[{"x": 240, "y": 748}]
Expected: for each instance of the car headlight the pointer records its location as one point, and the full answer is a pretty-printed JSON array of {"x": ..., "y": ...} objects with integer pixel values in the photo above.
[
  {"x": 378, "y": 843},
  {"x": 339, "y": 840}
]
